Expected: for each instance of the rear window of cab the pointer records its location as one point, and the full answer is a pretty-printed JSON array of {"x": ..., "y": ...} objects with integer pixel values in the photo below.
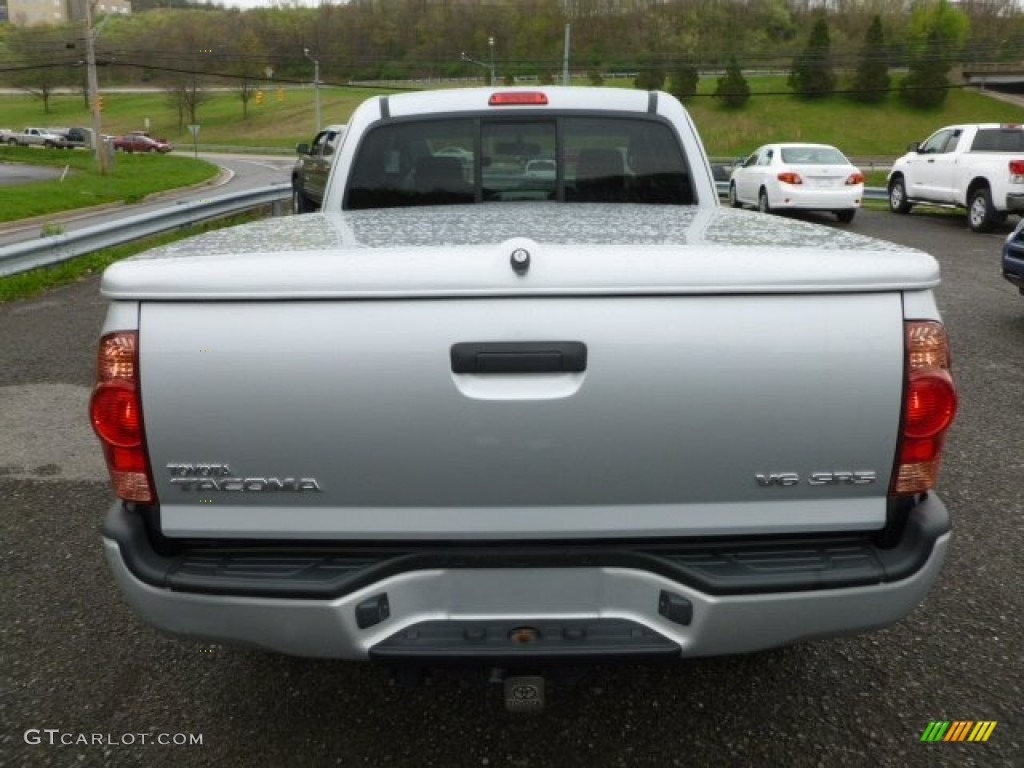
[{"x": 479, "y": 160}]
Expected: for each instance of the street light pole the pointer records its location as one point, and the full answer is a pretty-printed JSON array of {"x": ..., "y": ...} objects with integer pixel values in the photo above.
[
  {"x": 316, "y": 85},
  {"x": 490, "y": 44}
]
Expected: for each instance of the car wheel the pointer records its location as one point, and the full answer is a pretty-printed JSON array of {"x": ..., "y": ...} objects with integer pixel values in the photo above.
[
  {"x": 48, "y": 145},
  {"x": 898, "y": 196},
  {"x": 981, "y": 216},
  {"x": 846, "y": 216},
  {"x": 733, "y": 201},
  {"x": 301, "y": 203},
  {"x": 762, "y": 201},
  {"x": 12, "y": 142}
]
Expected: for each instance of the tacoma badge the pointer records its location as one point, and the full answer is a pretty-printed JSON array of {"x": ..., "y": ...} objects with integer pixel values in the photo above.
[{"x": 219, "y": 477}]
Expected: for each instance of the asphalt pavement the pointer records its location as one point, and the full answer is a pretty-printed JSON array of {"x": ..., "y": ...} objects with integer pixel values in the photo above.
[
  {"x": 12, "y": 174},
  {"x": 79, "y": 663}
]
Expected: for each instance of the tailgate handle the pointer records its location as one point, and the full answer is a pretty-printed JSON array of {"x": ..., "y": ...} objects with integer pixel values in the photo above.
[{"x": 519, "y": 357}]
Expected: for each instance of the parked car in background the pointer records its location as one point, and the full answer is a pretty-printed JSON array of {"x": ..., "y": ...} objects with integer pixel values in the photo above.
[
  {"x": 464, "y": 156},
  {"x": 309, "y": 175},
  {"x": 540, "y": 169},
  {"x": 39, "y": 137},
  {"x": 809, "y": 177},
  {"x": 979, "y": 167},
  {"x": 1013, "y": 257},
  {"x": 74, "y": 137},
  {"x": 138, "y": 142}
]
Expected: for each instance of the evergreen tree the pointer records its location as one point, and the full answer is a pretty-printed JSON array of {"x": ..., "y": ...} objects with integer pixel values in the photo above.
[
  {"x": 927, "y": 82},
  {"x": 683, "y": 83},
  {"x": 871, "y": 83},
  {"x": 733, "y": 90},
  {"x": 651, "y": 77},
  {"x": 812, "y": 74}
]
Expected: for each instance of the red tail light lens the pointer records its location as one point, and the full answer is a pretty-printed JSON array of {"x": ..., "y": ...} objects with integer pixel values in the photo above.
[
  {"x": 789, "y": 177},
  {"x": 1017, "y": 167},
  {"x": 929, "y": 406},
  {"x": 116, "y": 414},
  {"x": 855, "y": 178}
]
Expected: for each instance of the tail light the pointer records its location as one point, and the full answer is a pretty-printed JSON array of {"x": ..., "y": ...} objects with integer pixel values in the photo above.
[
  {"x": 929, "y": 405},
  {"x": 1017, "y": 169},
  {"x": 518, "y": 99},
  {"x": 855, "y": 178},
  {"x": 789, "y": 177},
  {"x": 116, "y": 413}
]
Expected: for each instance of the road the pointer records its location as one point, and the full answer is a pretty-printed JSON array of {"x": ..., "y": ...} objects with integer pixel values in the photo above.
[
  {"x": 239, "y": 172},
  {"x": 77, "y": 659}
]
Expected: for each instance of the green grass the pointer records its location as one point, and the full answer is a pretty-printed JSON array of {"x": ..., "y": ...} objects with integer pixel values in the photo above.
[
  {"x": 131, "y": 179},
  {"x": 36, "y": 281},
  {"x": 859, "y": 130},
  {"x": 286, "y": 117}
]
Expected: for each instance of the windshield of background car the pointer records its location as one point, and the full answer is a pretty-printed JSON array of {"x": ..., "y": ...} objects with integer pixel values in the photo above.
[
  {"x": 813, "y": 156},
  {"x": 562, "y": 158}
]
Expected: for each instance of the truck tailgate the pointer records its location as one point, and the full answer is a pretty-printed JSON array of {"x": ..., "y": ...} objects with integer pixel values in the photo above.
[{"x": 694, "y": 415}]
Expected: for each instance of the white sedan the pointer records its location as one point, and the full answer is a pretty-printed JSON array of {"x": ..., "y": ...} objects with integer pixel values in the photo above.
[{"x": 808, "y": 177}]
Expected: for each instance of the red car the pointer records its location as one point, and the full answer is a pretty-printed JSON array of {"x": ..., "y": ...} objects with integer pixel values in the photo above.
[{"x": 134, "y": 142}]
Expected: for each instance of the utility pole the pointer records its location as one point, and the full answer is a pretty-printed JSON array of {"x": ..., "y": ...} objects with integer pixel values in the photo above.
[
  {"x": 565, "y": 63},
  {"x": 98, "y": 145},
  {"x": 316, "y": 84}
]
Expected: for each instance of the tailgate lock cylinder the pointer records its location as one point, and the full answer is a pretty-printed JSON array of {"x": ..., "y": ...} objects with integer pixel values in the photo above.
[{"x": 520, "y": 261}]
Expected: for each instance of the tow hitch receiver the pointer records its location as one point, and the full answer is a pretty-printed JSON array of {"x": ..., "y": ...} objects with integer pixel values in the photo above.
[{"x": 524, "y": 694}]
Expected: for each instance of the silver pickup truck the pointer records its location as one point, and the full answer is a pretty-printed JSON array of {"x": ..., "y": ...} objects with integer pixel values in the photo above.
[{"x": 473, "y": 413}]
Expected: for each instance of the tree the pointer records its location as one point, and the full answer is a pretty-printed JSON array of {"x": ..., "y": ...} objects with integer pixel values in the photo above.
[
  {"x": 683, "y": 83},
  {"x": 39, "y": 60},
  {"x": 871, "y": 83},
  {"x": 936, "y": 34},
  {"x": 927, "y": 82},
  {"x": 650, "y": 78},
  {"x": 733, "y": 90},
  {"x": 812, "y": 74},
  {"x": 247, "y": 66}
]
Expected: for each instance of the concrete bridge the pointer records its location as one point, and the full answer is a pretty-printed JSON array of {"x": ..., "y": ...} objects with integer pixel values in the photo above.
[{"x": 1005, "y": 77}]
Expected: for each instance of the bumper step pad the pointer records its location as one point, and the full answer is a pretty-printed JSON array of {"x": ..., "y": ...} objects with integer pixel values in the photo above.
[{"x": 498, "y": 642}]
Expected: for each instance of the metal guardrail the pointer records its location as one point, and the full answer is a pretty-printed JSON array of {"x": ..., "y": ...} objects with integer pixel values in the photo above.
[{"x": 54, "y": 249}]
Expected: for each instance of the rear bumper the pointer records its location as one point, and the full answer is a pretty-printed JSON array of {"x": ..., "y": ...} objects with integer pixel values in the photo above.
[
  {"x": 440, "y": 603},
  {"x": 818, "y": 200},
  {"x": 1015, "y": 202}
]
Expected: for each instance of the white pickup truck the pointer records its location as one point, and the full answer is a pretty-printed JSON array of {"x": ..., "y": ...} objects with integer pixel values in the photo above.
[
  {"x": 978, "y": 167},
  {"x": 472, "y": 413}
]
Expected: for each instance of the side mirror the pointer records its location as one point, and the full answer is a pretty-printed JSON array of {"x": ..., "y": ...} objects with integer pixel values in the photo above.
[
  {"x": 302, "y": 149},
  {"x": 913, "y": 146}
]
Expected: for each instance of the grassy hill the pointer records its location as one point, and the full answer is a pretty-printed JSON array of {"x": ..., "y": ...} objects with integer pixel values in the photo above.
[{"x": 286, "y": 117}]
